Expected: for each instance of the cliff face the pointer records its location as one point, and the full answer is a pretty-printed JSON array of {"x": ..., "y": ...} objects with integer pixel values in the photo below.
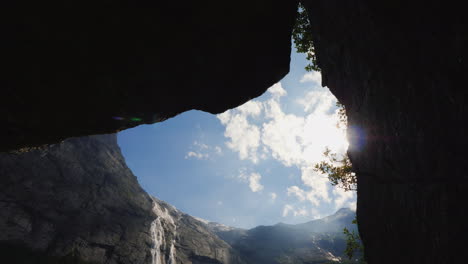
[
  {"x": 78, "y": 201},
  {"x": 181, "y": 238},
  {"x": 88, "y": 67},
  {"x": 399, "y": 68}
]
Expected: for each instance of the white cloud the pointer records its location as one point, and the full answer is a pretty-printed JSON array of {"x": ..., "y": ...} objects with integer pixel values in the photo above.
[
  {"x": 277, "y": 90},
  {"x": 290, "y": 209},
  {"x": 203, "y": 151},
  {"x": 244, "y": 137},
  {"x": 318, "y": 184},
  {"x": 282, "y": 136},
  {"x": 298, "y": 192},
  {"x": 286, "y": 209},
  {"x": 315, "y": 214},
  {"x": 344, "y": 198},
  {"x": 200, "y": 145},
  {"x": 301, "y": 212},
  {"x": 273, "y": 196},
  {"x": 253, "y": 179},
  {"x": 254, "y": 182},
  {"x": 261, "y": 129},
  {"x": 313, "y": 76},
  {"x": 196, "y": 155},
  {"x": 251, "y": 108},
  {"x": 317, "y": 100}
]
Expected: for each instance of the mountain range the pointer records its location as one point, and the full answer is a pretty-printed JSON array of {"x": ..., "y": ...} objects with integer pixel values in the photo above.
[{"x": 78, "y": 202}]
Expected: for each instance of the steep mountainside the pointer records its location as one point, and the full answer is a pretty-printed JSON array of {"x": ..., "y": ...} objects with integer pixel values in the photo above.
[
  {"x": 181, "y": 238},
  {"x": 318, "y": 241},
  {"x": 78, "y": 201}
]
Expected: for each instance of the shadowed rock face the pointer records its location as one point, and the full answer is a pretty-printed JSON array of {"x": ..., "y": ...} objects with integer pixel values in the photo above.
[
  {"x": 400, "y": 70},
  {"x": 78, "y": 201},
  {"x": 75, "y": 198},
  {"x": 72, "y": 68}
]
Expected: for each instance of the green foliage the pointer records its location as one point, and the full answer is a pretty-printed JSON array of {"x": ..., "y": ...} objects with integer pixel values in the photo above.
[
  {"x": 338, "y": 170},
  {"x": 354, "y": 244},
  {"x": 340, "y": 173},
  {"x": 303, "y": 39},
  {"x": 343, "y": 122}
]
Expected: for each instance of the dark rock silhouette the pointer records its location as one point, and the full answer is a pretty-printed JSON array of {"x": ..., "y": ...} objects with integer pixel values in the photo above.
[
  {"x": 399, "y": 68},
  {"x": 93, "y": 67}
]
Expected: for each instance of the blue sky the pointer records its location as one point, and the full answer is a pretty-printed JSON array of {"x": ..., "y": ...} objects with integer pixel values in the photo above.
[{"x": 252, "y": 165}]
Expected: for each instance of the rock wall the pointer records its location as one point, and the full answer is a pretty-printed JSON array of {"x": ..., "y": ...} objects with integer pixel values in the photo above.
[
  {"x": 77, "y": 202},
  {"x": 187, "y": 240},
  {"x": 399, "y": 67},
  {"x": 75, "y": 199},
  {"x": 79, "y": 68}
]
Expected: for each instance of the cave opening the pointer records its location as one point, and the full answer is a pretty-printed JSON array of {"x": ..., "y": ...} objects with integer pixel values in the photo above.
[{"x": 252, "y": 165}]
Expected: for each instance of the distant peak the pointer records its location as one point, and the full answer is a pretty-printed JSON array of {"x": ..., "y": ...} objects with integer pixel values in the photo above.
[{"x": 344, "y": 210}]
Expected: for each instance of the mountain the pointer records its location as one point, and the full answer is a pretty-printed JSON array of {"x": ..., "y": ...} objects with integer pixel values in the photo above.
[
  {"x": 317, "y": 241},
  {"x": 78, "y": 202},
  {"x": 181, "y": 238}
]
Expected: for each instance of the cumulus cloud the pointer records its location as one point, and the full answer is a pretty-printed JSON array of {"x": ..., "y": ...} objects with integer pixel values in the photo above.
[
  {"x": 244, "y": 137},
  {"x": 277, "y": 90},
  {"x": 253, "y": 179},
  {"x": 254, "y": 182},
  {"x": 317, "y": 100},
  {"x": 251, "y": 108},
  {"x": 344, "y": 199},
  {"x": 287, "y": 209},
  {"x": 318, "y": 185},
  {"x": 313, "y": 76},
  {"x": 261, "y": 129},
  {"x": 282, "y": 136},
  {"x": 298, "y": 192}
]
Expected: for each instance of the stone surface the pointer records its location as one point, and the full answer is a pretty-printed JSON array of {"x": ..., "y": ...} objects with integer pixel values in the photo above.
[
  {"x": 71, "y": 68},
  {"x": 76, "y": 198},
  {"x": 399, "y": 67},
  {"x": 194, "y": 242}
]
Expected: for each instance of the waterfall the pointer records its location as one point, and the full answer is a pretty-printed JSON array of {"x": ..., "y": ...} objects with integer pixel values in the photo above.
[
  {"x": 172, "y": 254},
  {"x": 157, "y": 234}
]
